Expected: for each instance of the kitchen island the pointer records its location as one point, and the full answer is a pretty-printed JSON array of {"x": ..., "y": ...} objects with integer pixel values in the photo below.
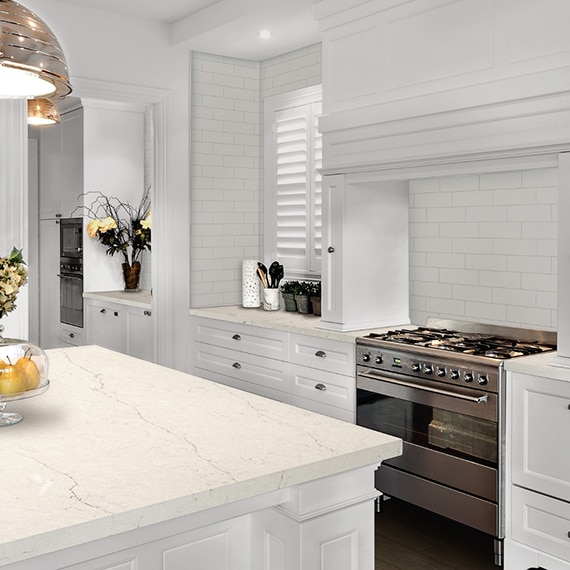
[{"x": 124, "y": 464}]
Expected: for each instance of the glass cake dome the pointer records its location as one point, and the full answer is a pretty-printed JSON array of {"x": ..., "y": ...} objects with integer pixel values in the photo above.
[{"x": 23, "y": 374}]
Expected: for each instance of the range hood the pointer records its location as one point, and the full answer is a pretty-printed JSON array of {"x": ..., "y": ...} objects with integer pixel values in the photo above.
[{"x": 420, "y": 88}]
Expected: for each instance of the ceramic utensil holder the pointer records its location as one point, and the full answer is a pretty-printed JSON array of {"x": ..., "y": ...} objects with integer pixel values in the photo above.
[
  {"x": 271, "y": 299},
  {"x": 250, "y": 284}
]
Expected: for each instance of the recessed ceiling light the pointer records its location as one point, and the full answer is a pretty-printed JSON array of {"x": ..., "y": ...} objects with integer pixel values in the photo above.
[{"x": 264, "y": 34}]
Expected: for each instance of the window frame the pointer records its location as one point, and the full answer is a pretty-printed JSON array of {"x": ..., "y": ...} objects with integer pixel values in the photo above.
[{"x": 272, "y": 104}]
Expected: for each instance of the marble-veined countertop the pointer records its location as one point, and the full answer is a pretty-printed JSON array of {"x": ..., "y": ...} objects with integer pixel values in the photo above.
[
  {"x": 117, "y": 443},
  {"x": 288, "y": 321},
  {"x": 141, "y": 299}
]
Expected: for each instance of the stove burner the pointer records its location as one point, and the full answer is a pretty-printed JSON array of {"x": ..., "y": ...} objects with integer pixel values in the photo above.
[{"x": 477, "y": 344}]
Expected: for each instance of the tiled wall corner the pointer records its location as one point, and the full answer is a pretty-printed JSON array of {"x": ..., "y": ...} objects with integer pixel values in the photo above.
[
  {"x": 227, "y": 155},
  {"x": 484, "y": 248}
]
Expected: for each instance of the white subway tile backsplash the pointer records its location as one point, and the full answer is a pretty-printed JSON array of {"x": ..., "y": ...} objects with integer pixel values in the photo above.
[
  {"x": 540, "y": 177},
  {"x": 486, "y": 214},
  {"x": 502, "y": 266},
  {"x": 459, "y": 276},
  {"x": 459, "y": 183},
  {"x": 501, "y": 180},
  {"x": 528, "y": 213},
  {"x": 511, "y": 279}
]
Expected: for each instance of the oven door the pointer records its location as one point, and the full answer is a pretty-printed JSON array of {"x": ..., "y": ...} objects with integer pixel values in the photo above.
[
  {"x": 449, "y": 432},
  {"x": 71, "y": 299}
]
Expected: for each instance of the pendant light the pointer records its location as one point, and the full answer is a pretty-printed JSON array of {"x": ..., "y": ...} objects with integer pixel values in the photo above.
[
  {"x": 32, "y": 63},
  {"x": 42, "y": 112}
]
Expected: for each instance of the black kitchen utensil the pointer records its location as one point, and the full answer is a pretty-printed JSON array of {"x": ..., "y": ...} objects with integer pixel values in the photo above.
[
  {"x": 277, "y": 276},
  {"x": 272, "y": 269}
]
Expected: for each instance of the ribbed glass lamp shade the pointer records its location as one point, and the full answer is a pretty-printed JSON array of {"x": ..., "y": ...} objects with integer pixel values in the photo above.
[
  {"x": 32, "y": 63},
  {"x": 42, "y": 112}
]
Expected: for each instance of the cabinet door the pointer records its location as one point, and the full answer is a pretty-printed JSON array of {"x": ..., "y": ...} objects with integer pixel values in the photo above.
[
  {"x": 49, "y": 325},
  {"x": 50, "y": 173},
  {"x": 72, "y": 160},
  {"x": 140, "y": 337},
  {"x": 106, "y": 326},
  {"x": 332, "y": 282},
  {"x": 540, "y": 412}
]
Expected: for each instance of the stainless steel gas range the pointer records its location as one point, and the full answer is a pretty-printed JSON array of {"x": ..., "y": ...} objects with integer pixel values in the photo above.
[{"x": 441, "y": 389}]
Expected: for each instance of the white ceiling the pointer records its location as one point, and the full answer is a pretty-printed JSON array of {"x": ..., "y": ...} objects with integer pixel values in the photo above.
[{"x": 225, "y": 27}]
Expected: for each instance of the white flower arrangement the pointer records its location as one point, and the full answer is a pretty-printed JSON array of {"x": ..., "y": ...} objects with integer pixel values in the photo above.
[{"x": 13, "y": 275}]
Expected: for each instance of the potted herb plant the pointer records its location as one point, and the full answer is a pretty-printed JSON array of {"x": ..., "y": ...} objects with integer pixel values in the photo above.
[
  {"x": 288, "y": 290},
  {"x": 302, "y": 297},
  {"x": 315, "y": 297}
]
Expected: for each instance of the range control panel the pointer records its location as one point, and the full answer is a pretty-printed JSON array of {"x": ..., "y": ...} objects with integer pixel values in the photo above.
[{"x": 450, "y": 371}]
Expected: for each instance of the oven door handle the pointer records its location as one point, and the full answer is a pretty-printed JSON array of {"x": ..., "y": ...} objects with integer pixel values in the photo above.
[
  {"x": 475, "y": 399},
  {"x": 78, "y": 277}
]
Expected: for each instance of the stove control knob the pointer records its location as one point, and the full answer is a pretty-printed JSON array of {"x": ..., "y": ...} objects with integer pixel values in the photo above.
[
  {"x": 365, "y": 357},
  {"x": 468, "y": 377},
  {"x": 415, "y": 367},
  {"x": 482, "y": 380},
  {"x": 440, "y": 371},
  {"x": 378, "y": 359},
  {"x": 428, "y": 369},
  {"x": 454, "y": 374}
]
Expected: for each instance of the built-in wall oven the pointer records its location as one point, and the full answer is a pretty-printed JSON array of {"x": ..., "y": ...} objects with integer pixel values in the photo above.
[
  {"x": 71, "y": 271},
  {"x": 441, "y": 389}
]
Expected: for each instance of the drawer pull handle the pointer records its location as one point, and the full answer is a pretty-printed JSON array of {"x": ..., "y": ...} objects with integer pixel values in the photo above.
[
  {"x": 321, "y": 354},
  {"x": 147, "y": 313},
  {"x": 236, "y": 365},
  {"x": 330, "y": 249},
  {"x": 103, "y": 311},
  {"x": 236, "y": 337},
  {"x": 71, "y": 335},
  {"x": 115, "y": 313},
  {"x": 320, "y": 387}
]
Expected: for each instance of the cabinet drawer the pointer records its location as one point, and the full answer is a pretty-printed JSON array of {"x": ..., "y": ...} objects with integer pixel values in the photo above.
[
  {"x": 324, "y": 387},
  {"x": 72, "y": 335},
  {"x": 541, "y": 522},
  {"x": 241, "y": 366},
  {"x": 245, "y": 338},
  {"x": 324, "y": 354}
]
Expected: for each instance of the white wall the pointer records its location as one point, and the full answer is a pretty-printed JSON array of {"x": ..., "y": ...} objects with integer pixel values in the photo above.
[
  {"x": 484, "y": 248},
  {"x": 227, "y": 158},
  {"x": 114, "y": 49}
]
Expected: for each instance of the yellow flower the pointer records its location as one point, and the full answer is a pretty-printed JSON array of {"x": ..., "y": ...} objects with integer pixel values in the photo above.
[
  {"x": 95, "y": 226},
  {"x": 92, "y": 228},
  {"x": 146, "y": 223},
  {"x": 107, "y": 224}
]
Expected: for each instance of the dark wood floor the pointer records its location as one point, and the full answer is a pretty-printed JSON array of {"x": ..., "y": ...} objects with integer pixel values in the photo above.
[{"x": 409, "y": 538}]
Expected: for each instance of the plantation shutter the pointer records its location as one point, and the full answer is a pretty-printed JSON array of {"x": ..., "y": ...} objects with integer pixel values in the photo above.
[{"x": 298, "y": 148}]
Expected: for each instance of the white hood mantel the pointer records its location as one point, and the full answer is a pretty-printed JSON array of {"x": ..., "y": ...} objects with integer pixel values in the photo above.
[{"x": 421, "y": 88}]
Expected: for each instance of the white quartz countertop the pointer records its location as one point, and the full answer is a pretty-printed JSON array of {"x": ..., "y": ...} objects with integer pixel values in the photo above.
[
  {"x": 539, "y": 365},
  {"x": 289, "y": 321},
  {"x": 141, "y": 299},
  {"x": 117, "y": 443}
]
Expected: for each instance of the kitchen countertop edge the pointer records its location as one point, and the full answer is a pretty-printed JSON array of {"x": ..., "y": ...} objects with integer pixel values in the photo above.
[{"x": 141, "y": 299}]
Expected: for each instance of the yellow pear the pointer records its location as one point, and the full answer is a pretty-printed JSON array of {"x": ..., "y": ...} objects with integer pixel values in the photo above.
[
  {"x": 11, "y": 382},
  {"x": 29, "y": 372}
]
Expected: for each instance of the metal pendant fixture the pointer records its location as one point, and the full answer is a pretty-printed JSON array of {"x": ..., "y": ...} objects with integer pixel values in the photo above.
[
  {"x": 32, "y": 63},
  {"x": 42, "y": 112}
]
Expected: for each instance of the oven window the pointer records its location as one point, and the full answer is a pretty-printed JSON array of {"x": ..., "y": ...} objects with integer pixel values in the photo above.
[{"x": 450, "y": 432}]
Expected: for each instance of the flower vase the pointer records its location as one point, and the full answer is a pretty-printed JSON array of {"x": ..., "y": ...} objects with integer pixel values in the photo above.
[{"x": 131, "y": 275}]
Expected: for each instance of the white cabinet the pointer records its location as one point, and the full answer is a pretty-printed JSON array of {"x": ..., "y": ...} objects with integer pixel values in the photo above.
[
  {"x": 61, "y": 166},
  {"x": 539, "y": 483},
  {"x": 310, "y": 372},
  {"x": 365, "y": 253},
  {"x": 123, "y": 328},
  {"x": 322, "y": 376}
]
